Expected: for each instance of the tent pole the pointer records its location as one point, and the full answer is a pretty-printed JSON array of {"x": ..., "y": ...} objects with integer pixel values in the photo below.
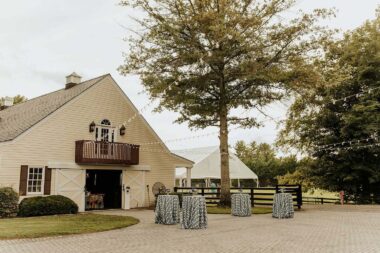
[{"x": 188, "y": 176}]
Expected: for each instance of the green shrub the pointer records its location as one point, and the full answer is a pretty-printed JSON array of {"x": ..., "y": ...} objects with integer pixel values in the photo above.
[
  {"x": 50, "y": 205},
  {"x": 8, "y": 202}
]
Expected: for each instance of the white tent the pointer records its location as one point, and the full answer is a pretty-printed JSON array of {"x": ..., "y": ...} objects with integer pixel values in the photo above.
[{"x": 207, "y": 164}]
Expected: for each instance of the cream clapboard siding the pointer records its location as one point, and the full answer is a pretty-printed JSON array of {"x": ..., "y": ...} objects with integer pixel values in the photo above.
[{"x": 53, "y": 139}]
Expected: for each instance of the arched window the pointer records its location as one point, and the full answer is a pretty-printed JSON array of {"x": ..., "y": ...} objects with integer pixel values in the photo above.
[{"x": 105, "y": 122}]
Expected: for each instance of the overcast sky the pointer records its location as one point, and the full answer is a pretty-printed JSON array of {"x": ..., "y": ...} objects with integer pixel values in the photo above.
[{"x": 41, "y": 41}]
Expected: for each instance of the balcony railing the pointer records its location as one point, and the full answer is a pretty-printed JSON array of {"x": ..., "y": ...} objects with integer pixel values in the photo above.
[{"x": 99, "y": 152}]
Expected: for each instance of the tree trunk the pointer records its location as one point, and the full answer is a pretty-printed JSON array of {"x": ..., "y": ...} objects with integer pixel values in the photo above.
[{"x": 225, "y": 195}]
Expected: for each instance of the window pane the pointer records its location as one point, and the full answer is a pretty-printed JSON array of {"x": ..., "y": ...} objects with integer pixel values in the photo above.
[{"x": 35, "y": 180}]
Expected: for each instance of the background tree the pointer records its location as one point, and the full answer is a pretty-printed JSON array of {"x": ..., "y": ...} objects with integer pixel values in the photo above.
[
  {"x": 347, "y": 112},
  {"x": 205, "y": 58},
  {"x": 261, "y": 159},
  {"x": 16, "y": 99},
  {"x": 302, "y": 174}
]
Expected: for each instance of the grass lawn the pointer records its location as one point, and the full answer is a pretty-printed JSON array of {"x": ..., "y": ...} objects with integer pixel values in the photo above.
[
  {"x": 61, "y": 225},
  {"x": 221, "y": 210}
]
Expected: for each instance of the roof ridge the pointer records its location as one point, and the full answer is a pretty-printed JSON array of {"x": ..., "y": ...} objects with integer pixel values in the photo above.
[{"x": 49, "y": 93}]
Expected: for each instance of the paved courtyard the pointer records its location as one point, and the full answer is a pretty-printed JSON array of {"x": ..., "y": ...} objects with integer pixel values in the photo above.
[{"x": 324, "y": 229}]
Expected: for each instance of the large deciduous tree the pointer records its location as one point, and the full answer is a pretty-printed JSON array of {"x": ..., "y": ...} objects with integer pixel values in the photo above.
[
  {"x": 206, "y": 58},
  {"x": 339, "y": 125}
]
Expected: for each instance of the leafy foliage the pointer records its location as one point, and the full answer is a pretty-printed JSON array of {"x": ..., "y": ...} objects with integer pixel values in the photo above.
[
  {"x": 321, "y": 118},
  {"x": 8, "y": 202},
  {"x": 301, "y": 175},
  {"x": 261, "y": 159},
  {"x": 50, "y": 205}
]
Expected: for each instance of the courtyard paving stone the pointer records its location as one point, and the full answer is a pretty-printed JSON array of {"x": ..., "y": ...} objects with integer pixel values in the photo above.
[{"x": 328, "y": 228}]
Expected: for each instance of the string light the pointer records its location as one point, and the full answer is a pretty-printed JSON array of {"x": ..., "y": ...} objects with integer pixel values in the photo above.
[
  {"x": 334, "y": 149},
  {"x": 357, "y": 95},
  {"x": 191, "y": 137},
  {"x": 373, "y": 137}
]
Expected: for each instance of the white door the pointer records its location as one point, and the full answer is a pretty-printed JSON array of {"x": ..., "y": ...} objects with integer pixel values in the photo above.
[
  {"x": 70, "y": 183},
  {"x": 135, "y": 180}
]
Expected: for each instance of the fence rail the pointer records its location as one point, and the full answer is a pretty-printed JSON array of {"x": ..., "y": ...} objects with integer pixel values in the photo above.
[
  {"x": 320, "y": 200},
  {"x": 260, "y": 196}
]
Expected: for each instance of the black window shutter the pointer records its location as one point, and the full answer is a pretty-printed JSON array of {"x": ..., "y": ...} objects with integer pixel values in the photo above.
[
  {"x": 23, "y": 180},
  {"x": 47, "y": 184}
]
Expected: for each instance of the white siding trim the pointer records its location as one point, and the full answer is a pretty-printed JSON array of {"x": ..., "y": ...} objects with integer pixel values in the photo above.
[
  {"x": 139, "y": 167},
  {"x": 63, "y": 165}
]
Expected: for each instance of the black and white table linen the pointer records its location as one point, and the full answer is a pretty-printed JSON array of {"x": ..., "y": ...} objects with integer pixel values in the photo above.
[
  {"x": 283, "y": 206},
  {"x": 167, "y": 210},
  {"x": 194, "y": 212},
  {"x": 241, "y": 205}
]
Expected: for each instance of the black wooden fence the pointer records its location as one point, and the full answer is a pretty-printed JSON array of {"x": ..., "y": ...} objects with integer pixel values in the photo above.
[{"x": 260, "y": 196}]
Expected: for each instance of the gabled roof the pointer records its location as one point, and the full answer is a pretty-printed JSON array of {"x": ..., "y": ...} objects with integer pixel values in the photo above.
[
  {"x": 20, "y": 117},
  {"x": 207, "y": 164}
]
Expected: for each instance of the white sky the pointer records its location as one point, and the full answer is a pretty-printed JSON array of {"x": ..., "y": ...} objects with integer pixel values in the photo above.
[{"x": 41, "y": 41}]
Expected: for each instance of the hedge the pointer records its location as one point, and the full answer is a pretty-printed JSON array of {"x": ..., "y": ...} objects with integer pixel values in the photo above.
[
  {"x": 8, "y": 202},
  {"x": 50, "y": 205}
]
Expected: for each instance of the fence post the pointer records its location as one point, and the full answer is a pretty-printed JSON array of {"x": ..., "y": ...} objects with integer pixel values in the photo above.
[
  {"x": 203, "y": 191},
  {"x": 252, "y": 198},
  {"x": 277, "y": 191},
  {"x": 299, "y": 196},
  {"x": 322, "y": 201},
  {"x": 175, "y": 189}
]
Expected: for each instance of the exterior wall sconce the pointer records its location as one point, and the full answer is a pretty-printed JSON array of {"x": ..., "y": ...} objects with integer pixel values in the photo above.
[
  {"x": 92, "y": 127},
  {"x": 122, "y": 130}
]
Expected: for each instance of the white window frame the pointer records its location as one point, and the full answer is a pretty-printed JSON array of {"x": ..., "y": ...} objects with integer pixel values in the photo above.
[
  {"x": 42, "y": 180},
  {"x": 112, "y": 131}
]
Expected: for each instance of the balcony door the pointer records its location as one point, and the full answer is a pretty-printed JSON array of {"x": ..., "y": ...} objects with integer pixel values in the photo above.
[{"x": 105, "y": 133}]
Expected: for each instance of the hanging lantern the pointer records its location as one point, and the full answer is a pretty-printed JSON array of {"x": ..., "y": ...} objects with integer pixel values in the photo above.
[
  {"x": 122, "y": 130},
  {"x": 92, "y": 127}
]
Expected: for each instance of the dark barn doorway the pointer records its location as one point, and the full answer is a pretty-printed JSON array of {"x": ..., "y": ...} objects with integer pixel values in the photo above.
[{"x": 103, "y": 189}]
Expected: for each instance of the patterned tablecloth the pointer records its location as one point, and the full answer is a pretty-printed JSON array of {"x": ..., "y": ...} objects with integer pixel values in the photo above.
[
  {"x": 241, "y": 205},
  {"x": 194, "y": 212},
  {"x": 167, "y": 210},
  {"x": 283, "y": 206}
]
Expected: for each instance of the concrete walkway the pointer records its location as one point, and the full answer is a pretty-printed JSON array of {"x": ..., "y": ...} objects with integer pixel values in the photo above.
[{"x": 327, "y": 228}]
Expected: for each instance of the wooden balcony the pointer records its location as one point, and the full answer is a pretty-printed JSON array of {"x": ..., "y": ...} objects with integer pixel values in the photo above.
[{"x": 101, "y": 153}]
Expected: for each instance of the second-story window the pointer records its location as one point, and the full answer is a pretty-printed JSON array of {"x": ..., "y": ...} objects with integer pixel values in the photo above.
[{"x": 104, "y": 131}]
